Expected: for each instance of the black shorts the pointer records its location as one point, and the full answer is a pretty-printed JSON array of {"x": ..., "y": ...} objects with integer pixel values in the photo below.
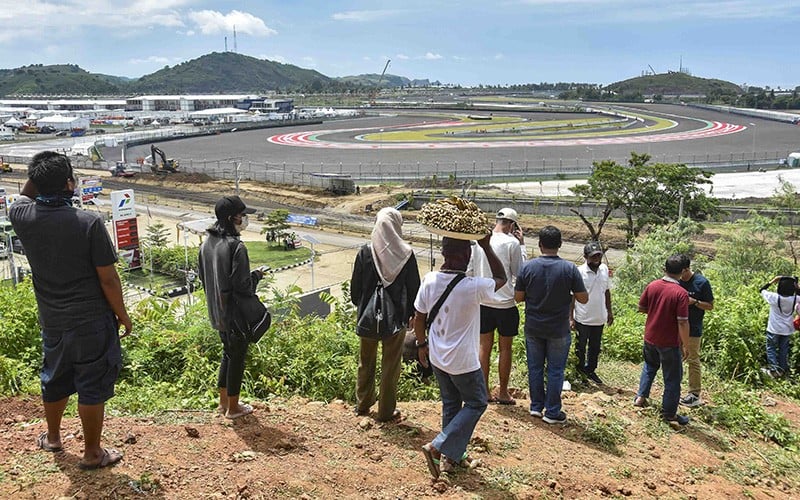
[
  {"x": 86, "y": 359},
  {"x": 505, "y": 321}
]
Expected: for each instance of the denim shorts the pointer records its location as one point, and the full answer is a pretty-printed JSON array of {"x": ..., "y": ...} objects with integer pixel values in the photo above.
[{"x": 85, "y": 359}]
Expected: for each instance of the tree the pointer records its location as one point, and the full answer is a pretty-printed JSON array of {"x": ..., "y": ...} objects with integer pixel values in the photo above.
[
  {"x": 645, "y": 194},
  {"x": 275, "y": 225},
  {"x": 157, "y": 235}
]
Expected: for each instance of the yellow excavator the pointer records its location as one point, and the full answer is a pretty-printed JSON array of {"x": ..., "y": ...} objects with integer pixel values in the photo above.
[
  {"x": 4, "y": 167},
  {"x": 166, "y": 165}
]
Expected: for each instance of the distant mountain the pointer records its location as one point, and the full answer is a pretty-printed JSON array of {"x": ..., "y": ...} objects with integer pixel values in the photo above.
[
  {"x": 674, "y": 83},
  {"x": 60, "y": 79},
  {"x": 228, "y": 72}
]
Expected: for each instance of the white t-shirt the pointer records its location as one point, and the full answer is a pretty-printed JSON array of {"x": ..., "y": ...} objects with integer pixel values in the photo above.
[
  {"x": 594, "y": 312},
  {"x": 511, "y": 255},
  {"x": 781, "y": 312},
  {"x": 454, "y": 335}
]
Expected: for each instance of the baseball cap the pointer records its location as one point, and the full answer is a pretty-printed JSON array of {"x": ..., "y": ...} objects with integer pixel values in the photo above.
[
  {"x": 592, "y": 248},
  {"x": 508, "y": 213},
  {"x": 228, "y": 206}
]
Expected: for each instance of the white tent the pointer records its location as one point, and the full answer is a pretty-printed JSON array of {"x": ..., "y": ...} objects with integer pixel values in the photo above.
[
  {"x": 63, "y": 122},
  {"x": 13, "y": 123}
]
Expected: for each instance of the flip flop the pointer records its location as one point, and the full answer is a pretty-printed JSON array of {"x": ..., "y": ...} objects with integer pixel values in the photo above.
[
  {"x": 41, "y": 441},
  {"x": 433, "y": 462},
  {"x": 509, "y": 402},
  {"x": 109, "y": 458},
  {"x": 246, "y": 410}
]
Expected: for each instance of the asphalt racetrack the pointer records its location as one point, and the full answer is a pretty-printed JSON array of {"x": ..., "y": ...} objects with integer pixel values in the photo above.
[{"x": 381, "y": 144}]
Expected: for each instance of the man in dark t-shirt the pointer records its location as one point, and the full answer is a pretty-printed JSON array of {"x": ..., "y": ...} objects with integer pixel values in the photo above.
[
  {"x": 701, "y": 299},
  {"x": 666, "y": 335},
  {"x": 79, "y": 295},
  {"x": 547, "y": 285}
]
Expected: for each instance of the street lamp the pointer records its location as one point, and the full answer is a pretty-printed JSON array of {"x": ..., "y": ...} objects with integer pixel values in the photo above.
[{"x": 754, "y": 139}]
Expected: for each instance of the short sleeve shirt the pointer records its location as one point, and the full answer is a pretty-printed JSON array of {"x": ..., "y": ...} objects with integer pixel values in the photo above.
[
  {"x": 594, "y": 312},
  {"x": 454, "y": 335},
  {"x": 548, "y": 282},
  {"x": 64, "y": 245},
  {"x": 698, "y": 288},
  {"x": 665, "y": 302}
]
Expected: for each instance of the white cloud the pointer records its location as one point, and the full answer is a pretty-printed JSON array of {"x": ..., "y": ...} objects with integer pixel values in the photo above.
[
  {"x": 366, "y": 58},
  {"x": 361, "y": 16},
  {"x": 150, "y": 60},
  {"x": 430, "y": 56},
  {"x": 211, "y": 22},
  {"x": 459, "y": 58},
  {"x": 402, "y": 57},
  {"x": 499, "y": 56}
]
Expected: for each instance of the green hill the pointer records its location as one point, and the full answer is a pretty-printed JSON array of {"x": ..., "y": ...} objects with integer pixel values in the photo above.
[
  {"x": 228, "y": 72},
  {"x": 60, "y": 79},
  {"x": 674, "y": 83}
]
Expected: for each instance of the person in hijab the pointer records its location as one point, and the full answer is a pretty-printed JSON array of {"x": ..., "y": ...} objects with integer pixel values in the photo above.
[{"x": 387, "y": 261}]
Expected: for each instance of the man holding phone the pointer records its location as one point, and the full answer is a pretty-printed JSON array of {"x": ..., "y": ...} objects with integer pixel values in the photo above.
[{"x": 500, "y": 312}]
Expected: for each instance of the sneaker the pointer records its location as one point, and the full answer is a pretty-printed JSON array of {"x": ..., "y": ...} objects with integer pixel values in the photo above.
[
  {"x": 594, "y": 378},
  {"x": 677, "y": 421},
  {"x": 640, "y": 402},
  {"x": 536, "y": 413},
  {"x": 560, "y": 419},
  {"x": 691, "y": 400}
]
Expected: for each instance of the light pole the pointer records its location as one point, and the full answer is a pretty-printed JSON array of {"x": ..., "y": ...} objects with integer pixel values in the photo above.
[
  {"x": 754, "y": 139},
  {"x": 312, "y": 241}
]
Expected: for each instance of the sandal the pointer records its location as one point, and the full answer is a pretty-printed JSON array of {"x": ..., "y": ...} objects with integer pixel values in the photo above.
[
  {"x": 45, "y": 445},
  {"x": 109, "y": 458},
  {"x": 433, "y": 463},
  {"x": 246, "y": 410}
]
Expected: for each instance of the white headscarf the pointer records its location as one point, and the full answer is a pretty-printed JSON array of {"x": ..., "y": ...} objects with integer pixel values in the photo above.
[{"x": 389, "y": 252}]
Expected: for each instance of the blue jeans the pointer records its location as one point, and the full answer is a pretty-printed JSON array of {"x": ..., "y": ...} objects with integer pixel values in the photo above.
[
  {"x": 554, "y": 352},
  {"x": 463, "y": 402},
  {"x": 778, "y": 351},
  {"x": 669, "y": 359}
]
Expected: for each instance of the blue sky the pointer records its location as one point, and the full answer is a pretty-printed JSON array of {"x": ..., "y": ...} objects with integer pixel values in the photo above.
[{"x": 466, "y": 42}]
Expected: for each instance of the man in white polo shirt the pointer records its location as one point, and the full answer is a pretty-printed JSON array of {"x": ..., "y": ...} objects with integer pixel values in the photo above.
[{"x": 589, "y": 318}]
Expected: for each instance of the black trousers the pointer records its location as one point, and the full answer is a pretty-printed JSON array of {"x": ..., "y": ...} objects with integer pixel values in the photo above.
[
  {"x": 231, "y": 368},
  {"x": 591, "y": 335}
]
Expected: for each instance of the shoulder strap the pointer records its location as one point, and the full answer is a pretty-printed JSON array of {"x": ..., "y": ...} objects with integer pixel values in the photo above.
[{"x": 438, "y": 305}]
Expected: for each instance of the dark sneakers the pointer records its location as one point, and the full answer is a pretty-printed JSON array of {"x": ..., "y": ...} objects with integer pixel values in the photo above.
[
  {"x": 677, "y": 421},
  {"x": 560, "y": 419},
  {"x": 594, "y": 378},
  {"x": 691, "y": 400}
]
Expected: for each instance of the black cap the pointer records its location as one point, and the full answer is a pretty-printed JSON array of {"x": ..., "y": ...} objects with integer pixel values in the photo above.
[
  {"x": 592, "y": 248},
  {"x": 229, "y": 206}
]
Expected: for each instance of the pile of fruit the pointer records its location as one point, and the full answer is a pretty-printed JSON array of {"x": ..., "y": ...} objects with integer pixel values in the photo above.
[{"x": 455, "y": 215}]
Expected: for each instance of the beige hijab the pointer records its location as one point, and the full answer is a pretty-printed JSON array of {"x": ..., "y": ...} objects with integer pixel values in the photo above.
[{"x": 389, "y": 252}]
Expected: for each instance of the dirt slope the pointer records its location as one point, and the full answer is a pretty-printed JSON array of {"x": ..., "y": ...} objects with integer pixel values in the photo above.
[{"x": 305, "y": 449}]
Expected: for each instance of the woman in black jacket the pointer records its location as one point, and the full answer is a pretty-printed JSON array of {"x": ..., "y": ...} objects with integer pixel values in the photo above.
[
  {"x": 387, "y": 261},
  {"x": 224, "y": 270}
]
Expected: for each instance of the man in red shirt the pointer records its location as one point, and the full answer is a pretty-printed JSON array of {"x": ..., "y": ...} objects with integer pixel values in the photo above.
[{"x": 666, "y": 337}]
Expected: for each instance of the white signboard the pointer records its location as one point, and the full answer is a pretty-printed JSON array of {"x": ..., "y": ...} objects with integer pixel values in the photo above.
[{"x": 123, "y": 205}]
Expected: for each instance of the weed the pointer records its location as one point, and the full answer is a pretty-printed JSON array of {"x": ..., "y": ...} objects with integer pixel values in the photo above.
[
  {"x": 506, "y": 478},
  {"x": 608, "y": 433},
  {"x": 622, "y": 472}
]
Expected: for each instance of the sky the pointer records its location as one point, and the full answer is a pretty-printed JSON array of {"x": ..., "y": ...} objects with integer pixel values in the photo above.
[{"x": 466, "y": 42}]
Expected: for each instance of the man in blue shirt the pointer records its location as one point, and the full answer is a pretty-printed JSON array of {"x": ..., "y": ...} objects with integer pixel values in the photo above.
[
  {"x": 701, "y": 299},
  {"x": 548, "y": 285}
]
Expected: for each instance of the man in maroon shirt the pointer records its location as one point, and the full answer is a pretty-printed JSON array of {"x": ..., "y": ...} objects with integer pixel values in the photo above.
[{"x": 666, "y": 336}]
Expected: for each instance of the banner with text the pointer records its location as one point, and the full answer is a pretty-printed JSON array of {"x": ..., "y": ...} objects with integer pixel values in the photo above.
[{"x": 126, "y": 228}]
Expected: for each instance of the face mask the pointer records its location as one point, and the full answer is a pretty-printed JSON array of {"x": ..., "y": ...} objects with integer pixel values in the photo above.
[{"x": 241, "y": 227}]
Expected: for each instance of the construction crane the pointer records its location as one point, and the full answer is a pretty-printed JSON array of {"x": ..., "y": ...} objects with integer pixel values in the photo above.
[{"x": 377, "y": 88}]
